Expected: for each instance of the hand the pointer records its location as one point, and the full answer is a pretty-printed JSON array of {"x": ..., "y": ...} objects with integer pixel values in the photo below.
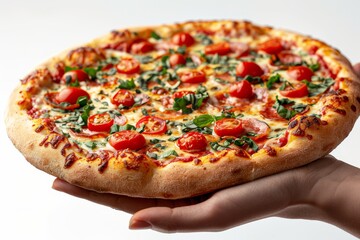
[{"x": 322, "y": 190}]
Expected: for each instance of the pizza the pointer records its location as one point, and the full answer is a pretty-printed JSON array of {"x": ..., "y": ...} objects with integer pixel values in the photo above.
[{"x": 180, "y": 110}]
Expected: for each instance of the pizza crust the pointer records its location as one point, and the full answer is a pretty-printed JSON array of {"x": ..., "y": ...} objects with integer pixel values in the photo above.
[{"x": 186, "y": 179}]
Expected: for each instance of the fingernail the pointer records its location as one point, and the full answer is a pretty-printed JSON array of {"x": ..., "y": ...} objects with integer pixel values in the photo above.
[{"x": 138, "y": 224}]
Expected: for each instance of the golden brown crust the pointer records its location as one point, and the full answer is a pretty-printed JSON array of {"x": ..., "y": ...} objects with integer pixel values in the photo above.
[{"x": 309, "y": 138}]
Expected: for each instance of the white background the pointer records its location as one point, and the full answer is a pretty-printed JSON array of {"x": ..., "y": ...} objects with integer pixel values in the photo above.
[{"x": 33, "y": 31}]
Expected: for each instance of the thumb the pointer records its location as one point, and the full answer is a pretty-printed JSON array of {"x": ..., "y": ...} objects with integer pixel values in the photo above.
[
  {"x": 166, "y": 219},
  {"x": 357, "y": 69}
]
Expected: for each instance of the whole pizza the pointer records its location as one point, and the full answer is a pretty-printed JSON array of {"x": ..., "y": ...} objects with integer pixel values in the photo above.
[{"x": 175, "y": 111}]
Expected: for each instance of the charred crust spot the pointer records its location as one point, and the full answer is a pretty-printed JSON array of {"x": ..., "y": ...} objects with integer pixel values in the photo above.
[
  {"x": 63, "y": 150},
  {"x": 132, "y": 161},
  {"x": 305, "y": 123},
  {"x": 70, "y": 160},
  {"x": 105, "y": 156},
  {"x": 293, "y": 123},
  {"x": 310, "y": 137},
  {"x": 39, "y": 128},
  {"x": 270, "y": 151},
  {"x": 358, "y": 99},
  {"x": 215, "y": 159},
  {"x": 242, "y": 153},
  {"x": 353, "y": 108},
  {"x": 197, "y": 161}
]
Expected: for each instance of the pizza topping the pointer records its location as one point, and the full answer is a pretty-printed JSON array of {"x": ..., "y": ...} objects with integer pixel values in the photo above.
[
  {"x": 177, "y": 59},
  {"x": 123, "y": 98},
  {"x": 128, "y": 66},
  {"x": 244, "y": 69},
  {"x": 192, "y": 142},
  {"x": 287, "y": 108},
  {"x": 75, "y": 76},
  {"x": 241, "y": 89},
  {"x": 71, "y": 95},
  {"x": 193, "y": 76},
  {"x": 100, "y": 122},
  {"x": 272, "y": 46},
  {"x": 228, "y": 127},
  {"x": 295, "y": 91},
  {"x": 152, "y": 125},
  {"x": 182, "y": 39},
  {"x": 127, "y": 139},
  {"x": 221, "y": 48},
  {"x": 141, "y": 47},
  {"x": 300, "y": 73}
]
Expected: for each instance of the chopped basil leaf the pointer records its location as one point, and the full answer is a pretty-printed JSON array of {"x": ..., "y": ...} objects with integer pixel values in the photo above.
[
  {"x": 144, "y": 59},
  {"x": 316, "y": 89},
  {"x": 192, "y": 100},
  {"x": 204, "y": 39},
  {"x": 91, "y": 144},
  {"x": 253, "y": 80},
  {"x": 68, "y": 68},
  {"x": 217, "y": 147},
  {"x": 168, "y": 154},
  {"x": 82, "y": 101},
  {"x": 92, "y": 72},
  {"x": 245, "y": 140},
  {"x": 273, "y": 79},
  {"x": 155, "y": 36},
  {"x": 165, "y": 63},
  {"x": 114, "y": 128},
  {"x": 155, "y": 141},
  {"x": 172, "y": 139},
  {"x": 152, "y": 155},
  {"x": 127, "y": 84},
  {"x": 289, "y": 112},
  {"x": 203, "y": 120},
  {"x": 144, "y": 112},
  {"x": 181, "y": 50},
  {"x": 313, "y": 66}
]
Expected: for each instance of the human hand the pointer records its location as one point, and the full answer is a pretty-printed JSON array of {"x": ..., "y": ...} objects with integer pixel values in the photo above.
[
  {"x": 297, "y": 193},
  {"x": 322, "y": 190}
]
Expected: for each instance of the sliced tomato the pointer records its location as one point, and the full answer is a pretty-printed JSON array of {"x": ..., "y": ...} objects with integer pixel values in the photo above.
[
  {"x": 242, "y": 89},
  {"x": 300, "y": 73},
  {"x": 221, "y": 48},
  {"x": 127, "y": 139},
  {"x": 181, "y": 94},
  {"x": 183, "y": 38},
  {"x": 100, "y": 122},
  {"x": 244, "y": 69},
  {"x": 141, "y": 47},
  {"x": 71, "y": 95},
  {"x": 153, "y": 125},
  {"x": 128, "y": 66},
  {"x": 193, "y": 76},
  {"x": 192, "y": 142},
  {"x": 75, "y": 75},
  {"x": 299, "y": 91},
  {"x": 177, "y": 59},
  {"x": 257, "y": 127},
  {"x": 228, "y": 127},
  {"x": 272, "y": 46},
  {"x": 123, "y": 97}
]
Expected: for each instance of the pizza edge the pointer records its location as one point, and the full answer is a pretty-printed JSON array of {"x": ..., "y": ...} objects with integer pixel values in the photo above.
[{"x": 184, "y": 179}]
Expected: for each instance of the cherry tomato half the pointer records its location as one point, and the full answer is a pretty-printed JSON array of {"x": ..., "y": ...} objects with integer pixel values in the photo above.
[
  {"x": 71, "y": 95},
  {"x": 181, "y": 94},
  {"x": 123, "y": 97},
  {"x": 193, "y": 76},
  {"x": 128, "y": 66},
  {"x": 75, "y": 75},
  {"x": 183, "y": 38},
  {"x": 299, "y": 91},
  {"x": 244, "y": 69},
  {"x": 272, "y": 46},
  {"x": 100, "y": 122},
  {"x": 153, "y": 125},
  {"x": 127, "y": 139},
  {"x": 221, "y": 48},
  {"x": 242, "y": 89},
  {"x": 140, "y": 47},
  {"x": 192, "y": 142},
  {"x": 300, "y": 73},
  {"x": 228, "y": 127},
  {"x": 177, "y": 59}
]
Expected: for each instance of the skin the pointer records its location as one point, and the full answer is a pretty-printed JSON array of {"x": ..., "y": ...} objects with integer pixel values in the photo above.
[{"x": 323, "y": 190}]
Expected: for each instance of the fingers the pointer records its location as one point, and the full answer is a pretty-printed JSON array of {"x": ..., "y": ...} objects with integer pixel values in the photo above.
[
  {"x": 357, "y": 69},
  {"x": 123, "y": 203},
  {"x": 225, "y": 209}
]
